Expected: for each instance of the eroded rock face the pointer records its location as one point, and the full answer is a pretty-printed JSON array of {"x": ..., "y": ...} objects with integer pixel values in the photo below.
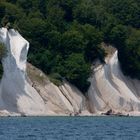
[
  {"x": 110, "y": 89},
  {"x": 36, "y": 95},
  {"x": 63, "y": 100},
  {"x": 16, "y": 93},
  {"x": 22, "y": 95}
]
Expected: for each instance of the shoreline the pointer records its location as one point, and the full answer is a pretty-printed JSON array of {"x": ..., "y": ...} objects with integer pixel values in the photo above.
[{"x": 92, "y": 115}]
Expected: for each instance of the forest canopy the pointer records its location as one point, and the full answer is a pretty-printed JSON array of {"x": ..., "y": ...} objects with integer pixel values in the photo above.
[{"x": 65, "y": 35}]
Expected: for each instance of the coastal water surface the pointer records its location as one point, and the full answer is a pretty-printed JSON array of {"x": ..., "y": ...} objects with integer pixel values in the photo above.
[{"x": 70, "y": 128}]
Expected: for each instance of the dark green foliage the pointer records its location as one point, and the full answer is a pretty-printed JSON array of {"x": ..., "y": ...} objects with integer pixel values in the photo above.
[
  {"x": 72, "y": 41},
  {"x": 77, "y": 71},
  {"x": 92, "y": 38},
  {"x": 127, "y": 11},
  {"x": 68, "y": 6},
  {"x": 26, "y": 5},
  {"x": 12, "y": 13},
  {"x": 65, "y": 35},
  {"x": 43, "y": 8},
  {"x": 3, "y": 53},
  {"x": 1, "y": 70},
  {"x": 130, "y": 55},
  {"x": 2, "y": 11},
  {"x": 118, "y": 35},
  {"x": 56, "y": 79},
  {"x": 83, "y": 12}
]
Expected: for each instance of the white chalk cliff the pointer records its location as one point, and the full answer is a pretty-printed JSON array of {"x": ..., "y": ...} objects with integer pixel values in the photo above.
[
  {"x": 111, "y": 90},
  {"x": 32, "y": 93},
  {"x": 19, "y": 95},
  {"x": 16, "y": 94}
]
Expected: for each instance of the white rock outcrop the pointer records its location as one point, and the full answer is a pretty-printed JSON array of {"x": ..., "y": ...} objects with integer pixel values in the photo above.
[
  {"x": 16, "y": 94},
  {"x": 59, "y": 100},
  {"x": 21, "y": 95},
  {"x": 111, "y": 90},
  {"x": 34, "y": 94}
]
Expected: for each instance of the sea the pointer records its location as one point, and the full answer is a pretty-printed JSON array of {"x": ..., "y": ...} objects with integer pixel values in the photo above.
[{"x": 70, "y": 128}]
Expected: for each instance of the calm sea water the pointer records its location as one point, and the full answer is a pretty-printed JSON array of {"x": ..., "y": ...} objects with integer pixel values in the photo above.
[{"x": 70, "y": 128}]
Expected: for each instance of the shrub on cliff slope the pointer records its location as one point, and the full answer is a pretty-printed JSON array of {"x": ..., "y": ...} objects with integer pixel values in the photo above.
[{"x": 2, "y": 54}]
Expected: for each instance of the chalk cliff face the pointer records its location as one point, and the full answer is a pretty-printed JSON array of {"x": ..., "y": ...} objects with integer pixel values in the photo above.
[
  {"x": 32, "y": 93},
  {"x": 20, "y": 95},
  {"x": 16, "y": 93},
  {"x": 63, "y": 100},
  {"x": 111, "y": 90}
]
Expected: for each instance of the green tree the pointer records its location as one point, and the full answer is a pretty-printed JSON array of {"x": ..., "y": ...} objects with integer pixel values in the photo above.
[
  {"x": 2, "y": 11},
  {"x": 12, "y": 13},
  {"x": 93, "y": 39},
  {"x": 26, "y": 5},
  {"x": 118, "y": 35},
  {"x": 77, "y": 71},
  {"x": 83, "y": 12},
  {"x": 72, "y": 42},
  {"x": 127, "y": 11},
  {"x": 130, "y": 55},
  {"x": 55, "y": 15},
  {"x": 43, "y": 8},
  {"x": 3, "y": 53},
  {"x": 68, "y": 6}
]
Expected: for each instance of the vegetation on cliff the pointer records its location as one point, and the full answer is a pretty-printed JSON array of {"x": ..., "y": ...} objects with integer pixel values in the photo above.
[
  {"x": 3, "y": 53},
  {"x": 65, "y": 35}
]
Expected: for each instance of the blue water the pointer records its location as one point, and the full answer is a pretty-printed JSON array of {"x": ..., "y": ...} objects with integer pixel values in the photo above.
[{"x": 70, "y": 128}]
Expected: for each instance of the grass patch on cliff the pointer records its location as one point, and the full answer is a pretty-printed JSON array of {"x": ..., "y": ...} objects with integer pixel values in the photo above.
[
  {"x": 3, "y": 51},
  {"x": 35, "y": 74},
  {"x": 56, "y": 79}
]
